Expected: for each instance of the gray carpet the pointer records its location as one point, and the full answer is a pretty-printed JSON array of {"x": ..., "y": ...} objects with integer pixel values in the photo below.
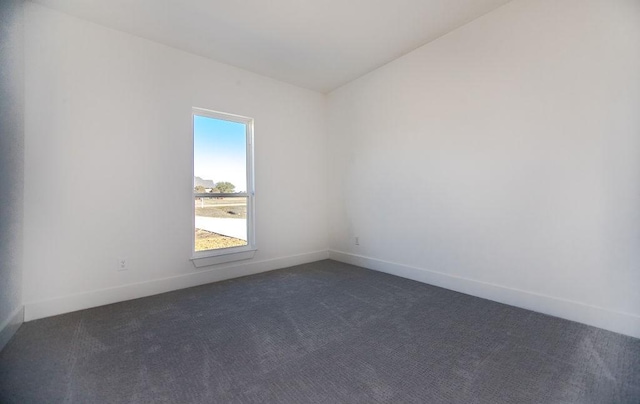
[{"x": 318, "y": 333}]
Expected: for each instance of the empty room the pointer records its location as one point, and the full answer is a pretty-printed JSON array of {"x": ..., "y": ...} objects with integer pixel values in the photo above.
[{"x": 296, "y": 201}]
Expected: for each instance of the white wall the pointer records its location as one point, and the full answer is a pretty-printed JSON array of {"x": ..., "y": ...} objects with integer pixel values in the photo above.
[
  {"x": 108, "y": 165},
  {"x": 502, "y": 160},
  {"x": 11, "y": 165}
]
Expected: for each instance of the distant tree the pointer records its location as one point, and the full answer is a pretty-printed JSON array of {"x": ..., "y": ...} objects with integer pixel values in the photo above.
[
  {"x": 214, "y": 191},
  {"x": 199, "y": 189},
  {"x": 225, "y": 187}
]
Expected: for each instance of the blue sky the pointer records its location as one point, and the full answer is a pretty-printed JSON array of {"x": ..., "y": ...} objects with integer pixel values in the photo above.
[{"x": 219, "y": 152}]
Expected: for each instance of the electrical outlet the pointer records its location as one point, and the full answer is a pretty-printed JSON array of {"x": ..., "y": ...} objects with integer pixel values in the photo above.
[
  {"x": 123, "y": 265},
  {"x": 357, "y": 240}
]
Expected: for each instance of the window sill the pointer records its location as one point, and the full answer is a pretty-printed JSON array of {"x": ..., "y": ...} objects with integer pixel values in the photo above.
[{"x": 218, "y": 258}]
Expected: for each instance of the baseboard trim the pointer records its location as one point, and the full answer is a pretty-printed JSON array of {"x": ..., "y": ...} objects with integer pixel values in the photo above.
[
  {"x": 101, "y": 297},
  {"x": 623, "y": 323},
  {"x": 10, "y": 325}
]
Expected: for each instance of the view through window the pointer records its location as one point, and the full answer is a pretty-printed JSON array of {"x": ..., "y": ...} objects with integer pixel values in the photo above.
[{"x": 222, "y": 181}]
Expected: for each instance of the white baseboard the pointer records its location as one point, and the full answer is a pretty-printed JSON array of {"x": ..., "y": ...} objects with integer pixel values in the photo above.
[
  {"x": 623, "y": 323},
  {"x": 81, "y": 301},
  {"x": 10, "y": 325}
]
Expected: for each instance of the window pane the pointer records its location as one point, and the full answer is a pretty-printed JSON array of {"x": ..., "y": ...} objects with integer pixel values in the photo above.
[
  {"x": 220, "y": 167},
  {"x": 221, "y": 222},
  {"x": 219, "y": 154}
]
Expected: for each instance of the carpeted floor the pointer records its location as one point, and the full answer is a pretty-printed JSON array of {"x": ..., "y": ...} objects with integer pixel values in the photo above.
[{"x": 324, "y": 332}]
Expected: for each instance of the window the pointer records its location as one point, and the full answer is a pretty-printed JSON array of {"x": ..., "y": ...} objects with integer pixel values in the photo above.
[{"x": 222, "y": 187}]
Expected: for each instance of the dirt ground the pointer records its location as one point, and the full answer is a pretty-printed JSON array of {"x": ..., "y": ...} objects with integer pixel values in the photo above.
[
  {"x": 206, "y": 240},
  {"x": 234, "y": 212}
]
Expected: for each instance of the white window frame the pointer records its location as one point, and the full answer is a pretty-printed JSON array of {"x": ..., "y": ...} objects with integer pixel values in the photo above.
[{"x": 221, "y": 255}]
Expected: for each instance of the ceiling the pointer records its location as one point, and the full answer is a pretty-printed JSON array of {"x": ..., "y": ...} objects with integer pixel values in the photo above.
[{"x": 315, "y": 44}]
